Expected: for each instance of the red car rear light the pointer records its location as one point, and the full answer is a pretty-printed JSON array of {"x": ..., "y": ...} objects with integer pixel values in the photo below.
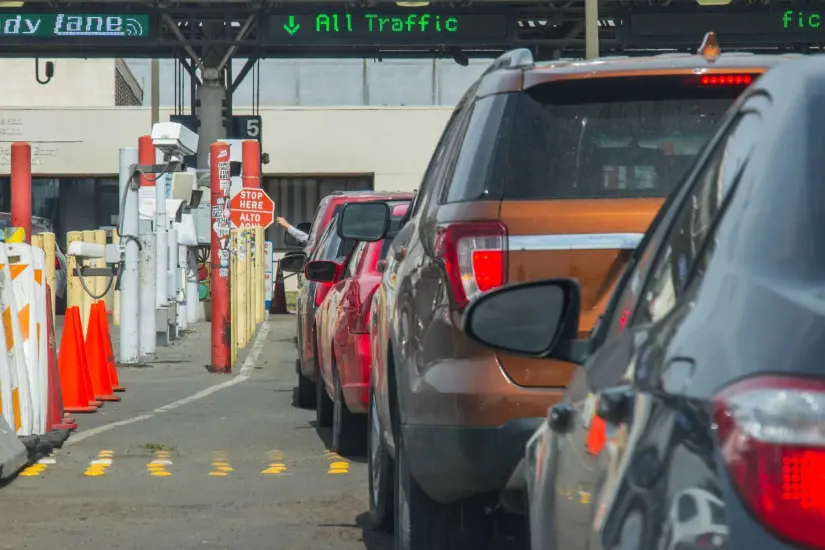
[
  {"x": 56, "y": 263},
  {"x": 321, "y": 291},
  {"x": 772, "y": 440},
  {"x": 361, "y": 324},
  {"x": 474, "y": 256},
  {"x": 727, "y": 80}
]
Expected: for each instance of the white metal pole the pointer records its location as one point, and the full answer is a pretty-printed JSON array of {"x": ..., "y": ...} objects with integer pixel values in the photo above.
[
  {"x": 147, "y": 307},
  {"x": 129, "y": 288},
  {"x": 161, "y": 244},
  {"x": 180, "y": 274},
  {"x": 591, "y": 29},
  {"x": 192, "y": 297},
  {"x": 172, "y": 272}
]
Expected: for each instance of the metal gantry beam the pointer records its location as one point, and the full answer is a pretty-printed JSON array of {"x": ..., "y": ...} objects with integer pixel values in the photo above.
[{"x": 229, "y": 29}]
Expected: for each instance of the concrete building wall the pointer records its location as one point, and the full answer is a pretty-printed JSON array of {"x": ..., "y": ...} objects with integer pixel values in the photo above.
[
  {"x": 76, "y": 83},
  {"x": 393, "y": 143}
]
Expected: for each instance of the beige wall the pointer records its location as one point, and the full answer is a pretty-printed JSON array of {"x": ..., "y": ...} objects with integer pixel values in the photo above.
[
  {"x": 394, "y": 143},
  {"x": 76, "y": 83}
]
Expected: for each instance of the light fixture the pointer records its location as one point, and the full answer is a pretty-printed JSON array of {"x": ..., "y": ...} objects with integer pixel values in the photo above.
[
  {"x": 11, "y": 4},
  {"x": 412, "y": 4}
]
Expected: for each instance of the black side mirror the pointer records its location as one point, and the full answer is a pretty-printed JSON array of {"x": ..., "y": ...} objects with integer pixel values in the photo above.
[
  {"x": 535, "y": 319},
  {"x": 323, "y": 271},
  {"x": 306, "y": 227},
  {"x": 293, "y": 263},
  {"x": 364, "y": 221}
]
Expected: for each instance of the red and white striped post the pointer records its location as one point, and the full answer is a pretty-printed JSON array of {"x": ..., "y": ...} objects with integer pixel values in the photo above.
[{"x": 220, "y": 275}]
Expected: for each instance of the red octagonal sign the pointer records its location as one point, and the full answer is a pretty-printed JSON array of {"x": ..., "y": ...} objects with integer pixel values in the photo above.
[{"x": 251, "y": 208}]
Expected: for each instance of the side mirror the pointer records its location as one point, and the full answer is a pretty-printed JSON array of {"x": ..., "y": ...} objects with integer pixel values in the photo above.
[
  {"x": 322, "y": 271},
  {"x": 364, "y": 221},
  {"x": 306, "y": 227},
  {"x": 293, "y": 263},
  {"x": 536, "y": 319}
]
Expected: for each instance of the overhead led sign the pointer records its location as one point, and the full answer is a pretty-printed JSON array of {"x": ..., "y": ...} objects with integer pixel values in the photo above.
[
  {"x": 776, "y": 26},
  {"x": 69, "y": 25},
  {"x": 377, "y": 28}
]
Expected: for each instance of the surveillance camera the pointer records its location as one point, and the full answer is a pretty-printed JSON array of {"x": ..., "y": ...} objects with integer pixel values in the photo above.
[
  {"x": 92, "y": 251},
  {"x": 174, "y": 140}
]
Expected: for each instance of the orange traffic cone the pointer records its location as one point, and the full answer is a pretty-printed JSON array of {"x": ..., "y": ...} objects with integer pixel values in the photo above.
[
  {"x": 106, "y": 338},
  {"x": 597, "y": 436},
  {"x": 278, "y": 304},
  {"x": 84, "y": 358},
  {"x": 56, "y": 418},
  {"x": 96, "y": 354},
  {"x": 73, "y": 382}
]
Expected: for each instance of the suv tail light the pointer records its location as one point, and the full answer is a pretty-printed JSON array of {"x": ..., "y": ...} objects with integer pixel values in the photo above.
[
  {"x": 771, "y": 437},
  {"x": 361, "y": 324},
  {"x": 321, "y": 291},
  {"x": 56, "y": 264},
  {"x": 474, "y": 256}
]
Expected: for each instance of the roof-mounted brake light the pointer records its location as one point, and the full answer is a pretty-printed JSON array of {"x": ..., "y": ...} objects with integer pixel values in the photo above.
[
  {"x": 727, "y": 80},
  {"x": 710, "y": 49}
]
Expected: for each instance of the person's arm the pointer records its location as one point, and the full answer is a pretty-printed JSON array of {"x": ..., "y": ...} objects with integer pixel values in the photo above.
[{"x": 299, "y": 235}]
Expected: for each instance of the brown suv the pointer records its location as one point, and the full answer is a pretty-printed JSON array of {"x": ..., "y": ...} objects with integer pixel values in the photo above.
[{"x": 543, "y": 170}]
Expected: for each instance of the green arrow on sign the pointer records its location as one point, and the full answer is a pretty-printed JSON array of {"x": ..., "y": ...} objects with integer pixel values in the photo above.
[{"x": 292, "y": 27}]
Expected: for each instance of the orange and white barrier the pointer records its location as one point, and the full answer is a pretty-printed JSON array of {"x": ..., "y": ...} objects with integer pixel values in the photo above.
[{"x": 23, "y": 420}]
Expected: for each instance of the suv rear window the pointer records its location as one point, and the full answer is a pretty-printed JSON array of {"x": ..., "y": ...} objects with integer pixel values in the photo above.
[
  {"x": 332, "y": 246},
  {"x": 626, "y": 137}
]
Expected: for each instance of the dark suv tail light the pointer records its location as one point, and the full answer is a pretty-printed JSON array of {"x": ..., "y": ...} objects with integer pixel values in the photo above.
[
  {"x": 474, "y": 256},
  {"x": 772, "y": 440}
]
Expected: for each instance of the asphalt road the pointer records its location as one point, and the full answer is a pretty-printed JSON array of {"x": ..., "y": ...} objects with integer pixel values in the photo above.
[{"x": 193, "y": 460}]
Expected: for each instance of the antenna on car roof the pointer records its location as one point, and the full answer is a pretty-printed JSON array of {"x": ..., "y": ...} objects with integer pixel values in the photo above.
[
  {"x": 710, "y": 49},
  {"x": 514, "y": 59}
]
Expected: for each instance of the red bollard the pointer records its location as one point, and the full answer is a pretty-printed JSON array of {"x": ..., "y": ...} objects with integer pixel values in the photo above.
[
  {"x": 146, "y": 155},
  {"x": 251, "y": 163},
  {"x": 219, "y": 258},
  {"x": 21, "y": 187}
]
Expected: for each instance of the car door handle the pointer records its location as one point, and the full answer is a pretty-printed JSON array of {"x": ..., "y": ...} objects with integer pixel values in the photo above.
[
  {"x": 560, "y": 418},
  {"x": 400, "y": 254},
  {"x": 616, "y": 404}
]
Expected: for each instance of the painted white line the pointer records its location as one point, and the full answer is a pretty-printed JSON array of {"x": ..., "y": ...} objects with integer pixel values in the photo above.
[{"x": 245, "y": 371}]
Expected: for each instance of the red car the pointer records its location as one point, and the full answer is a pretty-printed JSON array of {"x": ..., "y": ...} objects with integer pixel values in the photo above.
[
  {"x": 321, "y": 245},
  {"x": 343, "y": 340}
]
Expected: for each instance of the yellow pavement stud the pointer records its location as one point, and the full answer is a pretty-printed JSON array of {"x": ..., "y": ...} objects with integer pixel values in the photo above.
[
  {"x": 220, "y": 464},
  {"x": 157, "y": 467},
  {"x": 33, "y": 470},
  {"x": 338, "y": 467},
  {"x": 275, "y": 468}
]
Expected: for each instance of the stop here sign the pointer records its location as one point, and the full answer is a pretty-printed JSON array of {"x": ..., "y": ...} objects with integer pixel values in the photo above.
[{"x": 251, "y": 208}]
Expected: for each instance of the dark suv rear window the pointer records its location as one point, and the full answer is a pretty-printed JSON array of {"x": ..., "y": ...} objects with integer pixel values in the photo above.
[{"x": 587, "y": 138}]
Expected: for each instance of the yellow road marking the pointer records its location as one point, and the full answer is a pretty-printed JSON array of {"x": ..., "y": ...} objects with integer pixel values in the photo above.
[
  {"x": 337, "y": 464},
  {"x": 98, "y": 465},
  {"x": 220, "y": 465},
  {"x": 276, "y": 466},
  {"x": 584, "y": 497},
  {"x": 40, "y": 466},
  {"x": 157, "y": 467}
]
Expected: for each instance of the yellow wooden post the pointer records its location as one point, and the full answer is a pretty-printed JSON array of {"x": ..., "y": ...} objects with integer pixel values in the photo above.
[
  {"x": 90, "y": 285},
  {"x": 49, "y": 248},
  {"x": 233, "y": 293},
  {"x": 115, "y": 294},
  {"x": 259, "y": 275},
  {"x": 100, "y": 282},
  {"x": 243, "y": 289},
  {"x": 250, "y": 289},
  {"x": 74, "y": 292}
]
